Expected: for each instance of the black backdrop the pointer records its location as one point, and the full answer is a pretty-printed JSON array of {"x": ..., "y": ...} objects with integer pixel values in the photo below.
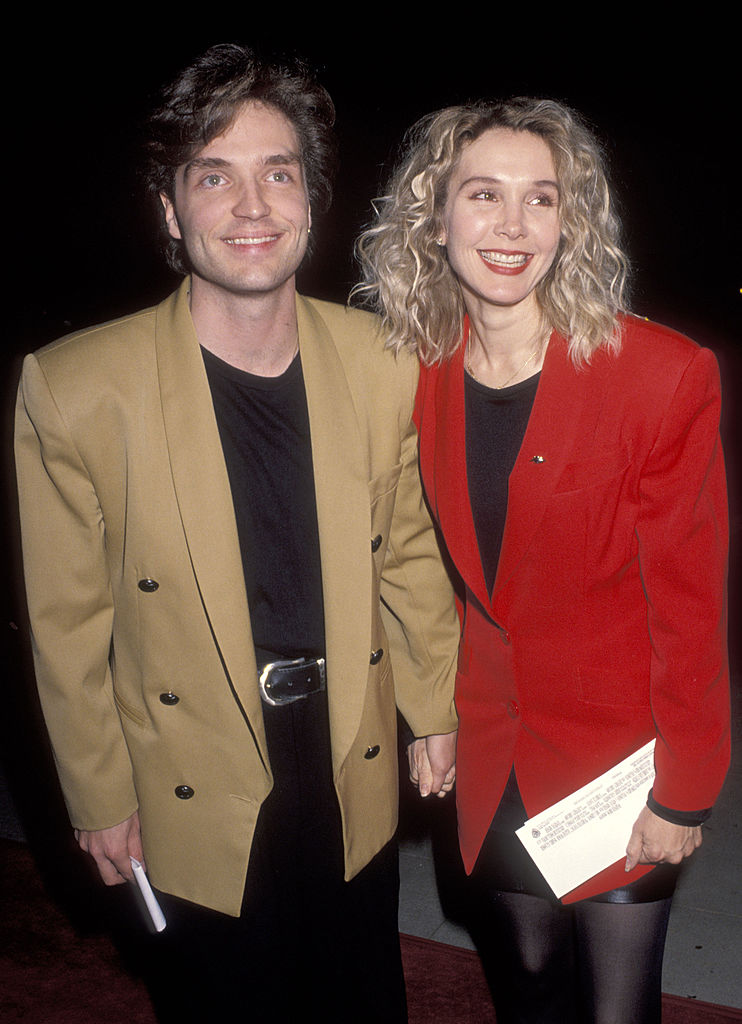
[{"x": 81, "y": 239}]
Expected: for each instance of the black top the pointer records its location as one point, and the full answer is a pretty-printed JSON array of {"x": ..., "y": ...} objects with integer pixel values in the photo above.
[
  {"x": 264, "y": 428},
  {"x": 496, "y": 421}
]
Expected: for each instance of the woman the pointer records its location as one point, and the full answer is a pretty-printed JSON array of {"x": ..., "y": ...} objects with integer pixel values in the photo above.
[{"x": 571, "y": 457}]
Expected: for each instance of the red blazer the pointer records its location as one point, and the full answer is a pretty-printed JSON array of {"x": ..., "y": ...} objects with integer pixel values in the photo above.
[{"x": 607, "y": 623}]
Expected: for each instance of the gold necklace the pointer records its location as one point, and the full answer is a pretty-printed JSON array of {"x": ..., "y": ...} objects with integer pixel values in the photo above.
[{"x": 496, "y": 387}]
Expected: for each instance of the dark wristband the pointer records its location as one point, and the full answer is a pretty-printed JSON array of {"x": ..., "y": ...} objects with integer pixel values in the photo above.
[{"x": 689, "y": 818}]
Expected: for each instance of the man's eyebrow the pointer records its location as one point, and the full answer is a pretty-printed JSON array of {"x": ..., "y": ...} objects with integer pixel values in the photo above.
[
  {"x": 199, "y": 163},
  {"x": 282, "y": 158}
]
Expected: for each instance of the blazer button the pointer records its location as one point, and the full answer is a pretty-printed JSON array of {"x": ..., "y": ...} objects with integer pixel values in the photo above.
[
  {"x": 513, "y": 709},
  {"x": 376, "y": 656},
  {"x": 372, "y": 752},
  {"x": 169, "y": 698},
  {"x": 148, "y": 585},
  {"x": 505, "y": 636},
  {"x": 183, "y": 792},
  {"x": 376, "y": 543}
]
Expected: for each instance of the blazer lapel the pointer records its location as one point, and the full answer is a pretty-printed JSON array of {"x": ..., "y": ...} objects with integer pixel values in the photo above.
[
  {"x": 344, "y": 520},
  {"x": 205, "y": 500},
  {"x": 546, "y": 448},
  {"x": 451, "y": 497},
  {"x": 540, "y": 462}
]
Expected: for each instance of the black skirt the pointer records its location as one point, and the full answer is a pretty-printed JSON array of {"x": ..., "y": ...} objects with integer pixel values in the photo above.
[{"x": 503, "y": 863}]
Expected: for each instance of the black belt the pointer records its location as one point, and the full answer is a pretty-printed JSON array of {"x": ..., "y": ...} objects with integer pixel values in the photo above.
[{"x": 284, "y": 681}]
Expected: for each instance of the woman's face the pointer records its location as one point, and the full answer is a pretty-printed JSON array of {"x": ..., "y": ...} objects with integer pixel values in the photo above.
[{"x": 501, "y": 218}]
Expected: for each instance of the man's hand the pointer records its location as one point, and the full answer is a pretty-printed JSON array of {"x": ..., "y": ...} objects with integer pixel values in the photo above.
[
  {"x": 111, "y": 848},
  {"x": 656, "y": 841},
  {"x": 432, "y": 763}
]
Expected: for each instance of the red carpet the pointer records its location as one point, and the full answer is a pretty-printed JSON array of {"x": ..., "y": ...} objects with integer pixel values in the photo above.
[
  {"x": 54, "y": 972},
  {"x": 445, "y": 985}
]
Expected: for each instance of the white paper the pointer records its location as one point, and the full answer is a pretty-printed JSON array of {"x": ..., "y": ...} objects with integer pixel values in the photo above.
[
  {"x": 588, "y": 831},
  {"x": 158, "y": 918}
]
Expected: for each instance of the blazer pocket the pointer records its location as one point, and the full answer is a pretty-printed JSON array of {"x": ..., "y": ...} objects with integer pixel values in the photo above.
[
  {"x": 596, "y": 471},
  {"x": 127, "y": 710},
  {"x": 599, "y": 690},
  {"x": 384, "y": 483}
]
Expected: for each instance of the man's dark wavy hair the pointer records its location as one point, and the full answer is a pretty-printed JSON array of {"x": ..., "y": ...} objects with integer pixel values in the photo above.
[{"x": 205, "y": 98}]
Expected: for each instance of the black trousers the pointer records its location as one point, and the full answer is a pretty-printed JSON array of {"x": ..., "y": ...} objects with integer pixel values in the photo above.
[{"x": 307, "y": 942}]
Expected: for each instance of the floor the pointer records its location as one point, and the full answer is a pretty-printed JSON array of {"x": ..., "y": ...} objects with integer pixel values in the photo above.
[
  {"x": 704, "y": 947},
  {"x": 703, "y": 956}
]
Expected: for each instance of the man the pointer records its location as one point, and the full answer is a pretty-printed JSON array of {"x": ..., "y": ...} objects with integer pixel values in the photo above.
[{"x": 232, "y": 579}]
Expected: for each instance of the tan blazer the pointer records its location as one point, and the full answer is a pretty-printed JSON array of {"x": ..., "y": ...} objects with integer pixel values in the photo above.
[{"x": 122, "y": 481}]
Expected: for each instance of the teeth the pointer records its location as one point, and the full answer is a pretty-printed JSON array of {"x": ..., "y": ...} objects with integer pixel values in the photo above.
[
  {"x": 251, "y": 241},
  {"x": 505, "y": 259}
]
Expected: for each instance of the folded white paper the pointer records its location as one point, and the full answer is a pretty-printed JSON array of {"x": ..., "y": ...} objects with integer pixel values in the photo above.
[
  {"x": 140, "y": 877},
  {"x": 588, "y": 831}
]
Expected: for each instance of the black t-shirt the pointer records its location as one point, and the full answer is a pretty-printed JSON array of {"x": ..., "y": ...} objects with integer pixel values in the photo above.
[
  {"x": 496, "y": 421},
  {"x": 264, "y": 428}
]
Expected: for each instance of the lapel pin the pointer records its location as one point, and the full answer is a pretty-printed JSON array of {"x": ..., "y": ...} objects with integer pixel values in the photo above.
[{"x": 537, "y": 458}]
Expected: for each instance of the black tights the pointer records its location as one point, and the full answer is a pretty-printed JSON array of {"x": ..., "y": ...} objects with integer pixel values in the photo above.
[{"x": 586, "y": 963}]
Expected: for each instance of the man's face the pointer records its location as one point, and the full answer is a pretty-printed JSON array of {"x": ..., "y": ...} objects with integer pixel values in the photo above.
[{"x": 241, "y": 206}]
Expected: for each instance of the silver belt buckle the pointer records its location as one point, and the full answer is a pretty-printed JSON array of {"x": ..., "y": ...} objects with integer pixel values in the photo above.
[{"x": 303, "y": 676}]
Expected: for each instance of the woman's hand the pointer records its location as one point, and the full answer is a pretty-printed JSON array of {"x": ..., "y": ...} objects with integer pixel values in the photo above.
[
  {"x": 657, "y": 841},
  {"x": 432, "y": 762}
]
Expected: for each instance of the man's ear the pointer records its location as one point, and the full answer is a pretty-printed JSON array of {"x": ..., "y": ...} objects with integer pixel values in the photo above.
[{"x": 171, "y": 218}]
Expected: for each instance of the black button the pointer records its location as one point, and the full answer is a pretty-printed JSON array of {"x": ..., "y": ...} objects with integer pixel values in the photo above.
[
  {"x": 149, "y": 586},
  {"x": 372, "y": 752},
  {"x": 376, "y": 656},
  {"x": 169, "y": 698},
  {"x": 376, "y": 543},
  {"x": 183, "y": 792}
]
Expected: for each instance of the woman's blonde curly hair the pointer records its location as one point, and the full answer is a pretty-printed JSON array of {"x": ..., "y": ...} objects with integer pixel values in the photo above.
[{"x": 406, "y": 276}]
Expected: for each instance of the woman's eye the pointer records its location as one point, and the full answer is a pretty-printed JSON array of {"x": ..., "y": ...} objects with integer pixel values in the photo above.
[{"x": 543, "y": 200}]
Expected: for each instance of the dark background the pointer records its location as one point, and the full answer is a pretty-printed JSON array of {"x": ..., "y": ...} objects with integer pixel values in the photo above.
[{"x": 81, "y": 240}]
